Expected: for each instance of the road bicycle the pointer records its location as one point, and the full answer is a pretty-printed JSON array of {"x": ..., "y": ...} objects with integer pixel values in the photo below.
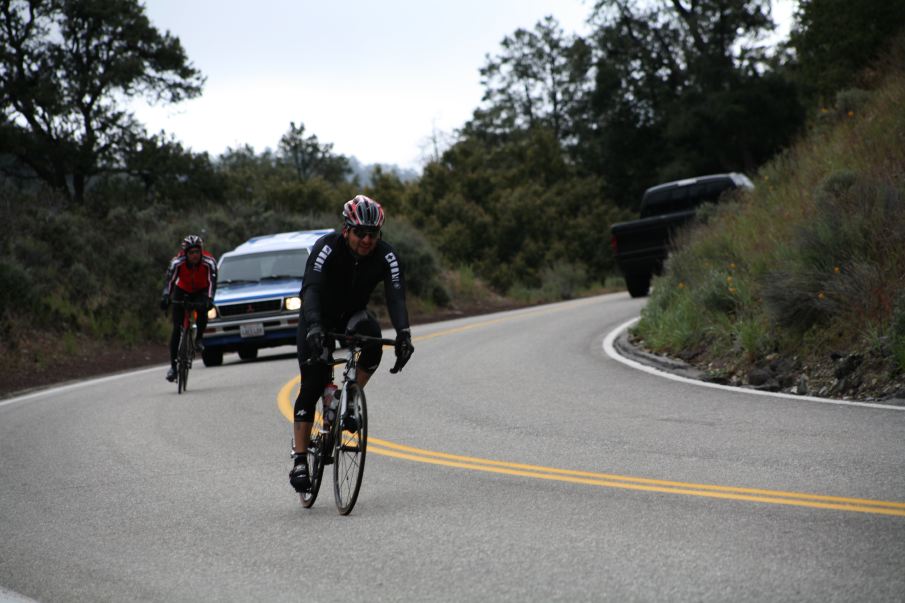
[
  {"x": 188, "y": 333},
  {"x": 339, "y": 434}
]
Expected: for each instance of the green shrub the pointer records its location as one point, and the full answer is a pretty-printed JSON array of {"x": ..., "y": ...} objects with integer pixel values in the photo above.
[
  {"x": 16, "y": 288},
  {"x": 563, "y": 280},
  {"x": 845, "y": 261},
  {"x": 312, "y": 196},
  {"x": 421, "y": 261},
  {"x": 718, "y": 292},
  {"x": 673, "y": 320},
  {"x": 897, "y": 334},
  {"x": 752, "y": 337},
  {"x": 614, "y": 282},
  {"x": 852, "y": 100},
  {"x": 465, "y": 283}
]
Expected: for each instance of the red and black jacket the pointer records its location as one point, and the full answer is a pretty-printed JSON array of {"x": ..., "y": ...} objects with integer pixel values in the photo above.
[{"x": 192, "y": 279}]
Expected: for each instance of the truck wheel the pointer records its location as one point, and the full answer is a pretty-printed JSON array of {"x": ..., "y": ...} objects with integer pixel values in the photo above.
[
  {"x": 248, "y": 353},
  {"x": 212, "y": 357},
  {"x": 638, "y": 284}
]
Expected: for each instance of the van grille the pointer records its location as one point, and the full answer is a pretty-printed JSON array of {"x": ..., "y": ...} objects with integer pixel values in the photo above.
[{"x": 255, "y": 307}]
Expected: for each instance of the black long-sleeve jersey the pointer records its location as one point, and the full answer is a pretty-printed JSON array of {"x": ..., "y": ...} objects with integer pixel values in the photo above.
[{"x": 338, "y": 283}]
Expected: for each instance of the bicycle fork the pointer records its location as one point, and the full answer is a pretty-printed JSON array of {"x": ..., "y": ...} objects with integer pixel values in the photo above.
[{"x": 349, "y": 378}]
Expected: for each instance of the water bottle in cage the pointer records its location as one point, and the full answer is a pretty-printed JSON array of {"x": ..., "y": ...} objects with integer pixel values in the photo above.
[{"x": 331, "y": 402}]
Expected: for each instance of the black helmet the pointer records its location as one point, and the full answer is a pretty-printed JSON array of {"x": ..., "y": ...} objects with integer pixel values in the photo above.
[
  {"x": 363, "y": 211},
  {"x": 192, "y": 241}
]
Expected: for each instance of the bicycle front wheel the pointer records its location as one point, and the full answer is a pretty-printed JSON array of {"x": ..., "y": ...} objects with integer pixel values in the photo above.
[
  {"x": 183, "y": 360},
  {"x": 350, "y": 441},
  {"x": 317, "y": 449}
]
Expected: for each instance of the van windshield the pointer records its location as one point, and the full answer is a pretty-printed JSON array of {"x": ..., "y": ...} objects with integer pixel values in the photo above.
[{"x": 263, "y": 266}]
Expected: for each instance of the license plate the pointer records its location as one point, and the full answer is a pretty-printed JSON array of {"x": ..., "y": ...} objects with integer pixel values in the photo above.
[{"x": 255, "y": 329}]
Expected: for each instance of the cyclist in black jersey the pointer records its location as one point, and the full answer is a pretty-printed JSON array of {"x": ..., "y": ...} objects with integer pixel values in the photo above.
[{"x": 342, "y": 270}]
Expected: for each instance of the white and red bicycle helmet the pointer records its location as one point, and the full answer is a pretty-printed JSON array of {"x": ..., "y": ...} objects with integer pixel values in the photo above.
[
  {"x": 192, "y": 241},
  {"x": 363, "y": 211}
]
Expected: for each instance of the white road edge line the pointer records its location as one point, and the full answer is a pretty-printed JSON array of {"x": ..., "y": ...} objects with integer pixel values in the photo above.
[
  {"x": 11, "y": 596},
  {"x": 612, "y": 353},
  {"x": 63, "y": 388}
]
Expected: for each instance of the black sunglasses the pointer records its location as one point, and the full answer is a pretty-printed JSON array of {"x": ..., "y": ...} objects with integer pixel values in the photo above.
[{"x": 363, "y": 231}]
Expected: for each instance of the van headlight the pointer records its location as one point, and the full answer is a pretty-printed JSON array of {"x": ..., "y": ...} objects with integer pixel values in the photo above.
[
  {"x": 292, "y": 303},
  {"x": 212, "y": 313}
]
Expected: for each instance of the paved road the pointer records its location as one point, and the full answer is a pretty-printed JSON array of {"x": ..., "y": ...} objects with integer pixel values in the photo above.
[{"x": 512, "y": 460}]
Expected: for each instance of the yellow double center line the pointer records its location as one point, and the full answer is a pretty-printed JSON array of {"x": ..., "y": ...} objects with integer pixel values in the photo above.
[
  {"x": 287, "y": 394},
  {"x": 608, "y": 480}
]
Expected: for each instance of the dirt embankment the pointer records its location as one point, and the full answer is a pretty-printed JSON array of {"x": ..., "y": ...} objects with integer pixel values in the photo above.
[{"x": 40, "y": 359}]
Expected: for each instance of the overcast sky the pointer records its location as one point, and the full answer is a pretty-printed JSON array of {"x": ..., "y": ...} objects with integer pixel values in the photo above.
[{"x": 373, "y": 78}]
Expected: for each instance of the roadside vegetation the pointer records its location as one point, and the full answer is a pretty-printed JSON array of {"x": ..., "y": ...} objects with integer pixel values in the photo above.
[{"x": 800, "y": 284}]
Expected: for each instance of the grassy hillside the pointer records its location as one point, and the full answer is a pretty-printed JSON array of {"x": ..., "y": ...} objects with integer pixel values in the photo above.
[{"x": 800, "y": 284}]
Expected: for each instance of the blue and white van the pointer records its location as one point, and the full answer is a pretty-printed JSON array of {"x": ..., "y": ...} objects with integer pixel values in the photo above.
[{"x": 257, "y": 300}]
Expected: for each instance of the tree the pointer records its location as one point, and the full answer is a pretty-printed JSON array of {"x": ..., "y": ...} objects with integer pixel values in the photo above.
[
  {"x": 66, "y": 69},
  {"x": 247, "y": 174},
  {"x": 167, "y": 170},
  {"x": 536, "y": 81},
  {"x": 835, "y": 39},
  {"x": 310, "y": 158},
  {"x": 672, "y": 45}
]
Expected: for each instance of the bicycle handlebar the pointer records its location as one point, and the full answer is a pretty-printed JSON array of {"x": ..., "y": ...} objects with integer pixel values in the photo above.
[
  {"x": 357, "y": 341},
  {"x": 360, "y": 339},
  {"x": 190, "y": 304}
]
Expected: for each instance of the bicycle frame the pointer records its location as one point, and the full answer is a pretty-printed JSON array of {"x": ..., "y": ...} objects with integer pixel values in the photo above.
[
  {"x": 189, "y": 319},
  {"x": 190, "y": 316},
  {"x": 350, "y": 371},
  {"x": 187, "y": 337}
]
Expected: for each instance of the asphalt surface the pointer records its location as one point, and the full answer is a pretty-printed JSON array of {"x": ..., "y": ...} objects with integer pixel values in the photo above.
[{"x": 512, "y": 460}]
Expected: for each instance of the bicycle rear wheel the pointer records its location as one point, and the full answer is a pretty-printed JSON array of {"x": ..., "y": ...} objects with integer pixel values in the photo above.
[
  {"x": 183, "y": 361},
  {"x": 316, "y": 451},
  {"x": 350, "y": 441}
]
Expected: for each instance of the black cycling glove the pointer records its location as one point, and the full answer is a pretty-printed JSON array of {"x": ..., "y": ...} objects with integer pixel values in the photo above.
[
  {"x": 404, "y": 349},
  {"x": 315, "y": 341}
]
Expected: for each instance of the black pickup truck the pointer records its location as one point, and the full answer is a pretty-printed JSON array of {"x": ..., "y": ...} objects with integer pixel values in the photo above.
[{"x": 641, "y": 246}]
